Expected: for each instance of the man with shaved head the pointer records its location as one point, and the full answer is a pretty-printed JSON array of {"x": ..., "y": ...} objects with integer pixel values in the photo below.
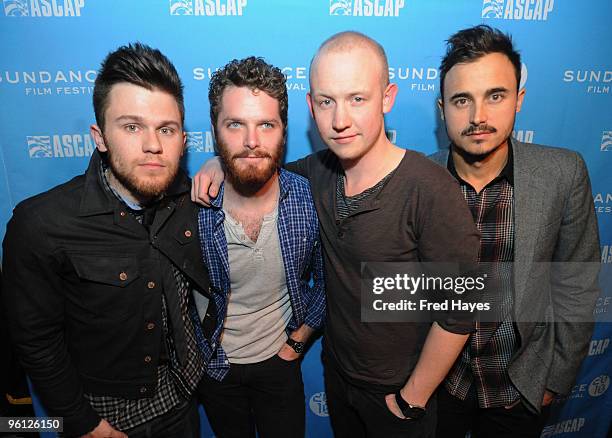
[{"x": 376, "y": 202}]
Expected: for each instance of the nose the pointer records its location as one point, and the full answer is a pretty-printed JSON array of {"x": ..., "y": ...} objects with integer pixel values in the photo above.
[
  {"x": 341, "y": 120},
  {"x": 252, "y": 138},
  {"x": 479, "y": 113},
  {"x": 152, "y": 143}
]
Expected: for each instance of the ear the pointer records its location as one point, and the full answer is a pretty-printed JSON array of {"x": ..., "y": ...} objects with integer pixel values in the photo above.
[
  {"x": 96, "y": 134},
  {"x": 309, "y": 102},
  {"x": 519, "y": 99},
  {"x": 184, "y": 143},
  {"x": 389, "y": 97},
  {"x": 441, "y": 108}
]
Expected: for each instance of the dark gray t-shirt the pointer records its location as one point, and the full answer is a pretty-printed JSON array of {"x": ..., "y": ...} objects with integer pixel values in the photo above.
[{"x": 419, "y": 214}]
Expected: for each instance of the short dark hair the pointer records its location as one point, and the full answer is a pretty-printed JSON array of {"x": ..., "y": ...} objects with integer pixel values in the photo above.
[
  {"x": 140, "y": 65},
  {"x": 469, "y": 45},
  {"x": 254, "y": 73}
]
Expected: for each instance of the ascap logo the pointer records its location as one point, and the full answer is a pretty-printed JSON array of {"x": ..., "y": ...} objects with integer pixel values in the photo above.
[
  {"x": 594, "y": 80},
  {"x": 599, "y": 385},
  {"x": 603, "y": 202},
  {"x": 50, "y": 83},
  {"x": 297, "y": 76},
  {"x": 528, "y": 10},
  {"x": 524, "y": 136},
  {"x": 571, "y": 425},
  {"x": 60, "y": 146},
  {"x": 366, "y": 8},
  {"x": 420, "y": 79},
  {"x": 318, "y": 404},
  {"x": 606, "y": 141},
  {"x": 606, "y": 254},
  {"x": 598, "y": 346},
  {"x": 200, "y": 141},
  {"x": 209, "y": 8},
  {"x": 43, "y": 8}
]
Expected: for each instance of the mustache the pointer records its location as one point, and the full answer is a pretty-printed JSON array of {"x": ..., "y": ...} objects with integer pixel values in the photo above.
[
  {"x": 251, "y": 154},
  {"x": 479, "y": 129}
]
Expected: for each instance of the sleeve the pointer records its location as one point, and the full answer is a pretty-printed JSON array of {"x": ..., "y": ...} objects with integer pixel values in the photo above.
[
  {"x": 574, "y": 281},
  {"x": 301, "y": 167},
  {"x": 315, "y": 307},
  {"x": 447, "y": 233},
  {"x": 35, "y": 304}
]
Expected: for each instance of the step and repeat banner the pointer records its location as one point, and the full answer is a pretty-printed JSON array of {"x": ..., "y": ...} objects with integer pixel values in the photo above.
[{"x": 51, "y": 50}]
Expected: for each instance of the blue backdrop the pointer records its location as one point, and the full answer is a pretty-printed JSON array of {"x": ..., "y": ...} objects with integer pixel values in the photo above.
[{"x": 52, "y": 49}]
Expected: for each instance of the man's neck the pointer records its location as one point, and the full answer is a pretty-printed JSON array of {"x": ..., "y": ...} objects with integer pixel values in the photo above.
[
  {"x": 479, "y": 171},
  {"x": 377, "y": 163}
]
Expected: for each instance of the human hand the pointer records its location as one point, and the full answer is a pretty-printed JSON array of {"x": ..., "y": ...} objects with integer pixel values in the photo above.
[
  {"x": 548, "y": 398},
  {"x": 104, "y": 430},
  {"x": 393, "y": 407},
  {"x": 206, "y": 183},
  {"x": 287, "y": 353}
]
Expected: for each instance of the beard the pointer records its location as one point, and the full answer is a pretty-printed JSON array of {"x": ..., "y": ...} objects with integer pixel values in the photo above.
[
  {"x": 247, "y": 180},
  {"x": 142, "y": 188}
]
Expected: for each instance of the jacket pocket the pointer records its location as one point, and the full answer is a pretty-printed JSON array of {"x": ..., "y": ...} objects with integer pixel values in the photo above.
[{"x": 108, "y": 284}]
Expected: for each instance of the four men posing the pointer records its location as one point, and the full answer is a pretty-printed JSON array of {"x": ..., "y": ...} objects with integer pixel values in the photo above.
[{"x": 107, "y": 296}]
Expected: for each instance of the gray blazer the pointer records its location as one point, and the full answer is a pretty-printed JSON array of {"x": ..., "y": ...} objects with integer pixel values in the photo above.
[{"x": 554, "y": 221}]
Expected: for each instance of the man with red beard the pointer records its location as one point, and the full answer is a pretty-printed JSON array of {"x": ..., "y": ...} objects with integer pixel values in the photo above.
[
  {"x": 260, "y": 241},
  {"x": 99, "y": 271}
]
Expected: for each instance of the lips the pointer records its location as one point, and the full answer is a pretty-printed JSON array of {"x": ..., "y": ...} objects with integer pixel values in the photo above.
[{"x": 344, "y": 139}]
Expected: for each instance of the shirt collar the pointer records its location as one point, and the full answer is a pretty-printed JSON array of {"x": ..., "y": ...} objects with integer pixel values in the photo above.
[{"x": 506, "y": 173}]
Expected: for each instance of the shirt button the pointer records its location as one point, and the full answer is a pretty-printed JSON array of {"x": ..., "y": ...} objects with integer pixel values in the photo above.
[
  {"x": 151, "y": 284},
  {"x": 147, "y": 359},
  {"x": 226, "y": 362},
  {"x": 143, "y": 389},
  {"x": 187, "y": 233},
  {"x": 122, "y": 276},
  {"x": 150, "y": 326},
  {"x": 341, "y": 234},
  {"x": 337, "y": 221},
  {"x": 122, "y": 213}
]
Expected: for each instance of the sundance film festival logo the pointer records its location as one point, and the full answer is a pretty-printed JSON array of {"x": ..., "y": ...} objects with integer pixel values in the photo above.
[
  {"x": 60, "y": 146},
  {"x": 606, "y": 141},
  {"x": 366, "y": 8},
  {"x": 528, "y": 10},
  {"x": 209, "y": 8},
  {"x": 200, "y": 141},
  {"x": 593, "y": 81},
  {"x": 599, "y": 385},
  {"x": 43, "y": 8},
  {"x": 318, "y": 404}
]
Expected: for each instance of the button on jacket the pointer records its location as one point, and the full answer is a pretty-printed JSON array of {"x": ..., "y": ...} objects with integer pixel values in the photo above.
[{"x": 82, "y": 288}]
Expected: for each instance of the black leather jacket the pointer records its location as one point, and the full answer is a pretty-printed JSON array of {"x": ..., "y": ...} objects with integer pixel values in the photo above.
[{"x": 82, "y": 283}]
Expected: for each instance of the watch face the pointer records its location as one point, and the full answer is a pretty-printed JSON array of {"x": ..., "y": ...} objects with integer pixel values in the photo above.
[{"x": 298, "y": 347}]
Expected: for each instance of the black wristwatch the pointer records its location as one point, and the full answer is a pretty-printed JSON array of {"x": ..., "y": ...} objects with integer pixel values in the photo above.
[
  {"x": 297, "y": 346},
  {"x": 410, "y": 411}
]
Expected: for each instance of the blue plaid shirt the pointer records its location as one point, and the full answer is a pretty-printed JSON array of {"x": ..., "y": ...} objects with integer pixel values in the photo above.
[{"x": 298, "y": 231}]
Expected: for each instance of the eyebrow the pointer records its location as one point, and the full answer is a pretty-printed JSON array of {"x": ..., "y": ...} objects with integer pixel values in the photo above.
[
  {"x": 241, "y": 120},
  {"x": 133, "y": 118},
  {"x": 465, "y": 94}
]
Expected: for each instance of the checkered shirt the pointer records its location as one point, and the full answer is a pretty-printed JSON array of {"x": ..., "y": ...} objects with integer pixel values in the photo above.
[
  {"x": 298, "y": 231},
  {"x": 485, "y": 359}
]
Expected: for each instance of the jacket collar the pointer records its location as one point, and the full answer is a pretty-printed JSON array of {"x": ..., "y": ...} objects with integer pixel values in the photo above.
[{"x": 96, "y": 200}]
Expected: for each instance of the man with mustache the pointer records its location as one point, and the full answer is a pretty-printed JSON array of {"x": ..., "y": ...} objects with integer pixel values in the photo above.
[
  {"x": 376, "y": 202},
  {"x": 99, "y": 271},
  {"x": 260, "y": 241},
  {"x": 533, "y": 205}
]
